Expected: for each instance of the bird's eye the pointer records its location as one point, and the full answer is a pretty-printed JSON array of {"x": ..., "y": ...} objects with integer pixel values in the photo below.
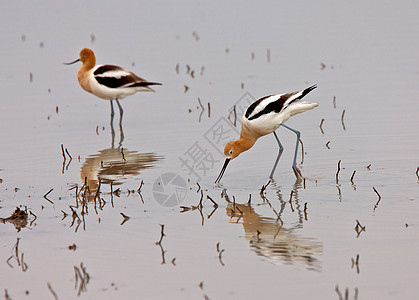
[{"x": 231, "y": 152}]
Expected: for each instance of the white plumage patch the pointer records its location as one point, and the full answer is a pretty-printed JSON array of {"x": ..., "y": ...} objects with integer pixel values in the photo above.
[{"x": 115, "y": 73}]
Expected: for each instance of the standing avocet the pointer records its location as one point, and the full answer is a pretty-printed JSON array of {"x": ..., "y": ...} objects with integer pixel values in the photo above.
[
  {"x": 264, "y": 116},
  {"x": 108, "y": 82}
]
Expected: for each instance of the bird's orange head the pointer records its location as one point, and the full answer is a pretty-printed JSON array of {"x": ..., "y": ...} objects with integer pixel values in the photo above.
[
  {"x": 87, "y": 57},
  {"x": 232, "y": 149}
]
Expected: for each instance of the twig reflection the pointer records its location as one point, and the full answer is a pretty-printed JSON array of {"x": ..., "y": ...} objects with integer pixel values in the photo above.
[
  {"x": 82, "y": 275},
  {"x": 19, "y": 258}
]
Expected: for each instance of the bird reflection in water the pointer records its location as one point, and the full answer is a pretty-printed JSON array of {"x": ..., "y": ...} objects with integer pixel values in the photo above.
[
  {"x": 269, "y": 239},
  {"x": 114, "y": 165}
]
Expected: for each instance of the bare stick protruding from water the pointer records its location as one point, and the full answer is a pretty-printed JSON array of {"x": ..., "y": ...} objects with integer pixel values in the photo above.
[
  {"x": 220, "y": 252},
  {"x": 215, "y": 203},
  {"x": 352, "y": 177},
  {"x": 234, "y": 115},
  {"x": 327, "y": 145},
  {"x": 126, "y": 218},
  {"x": 359, "y": 228},
  {"x": 52, "y": 291},
  {"x": 321, "y": 124},
  {"x": 334, "y": 101},
  {"x": 139, "y": 191},
  {"x": 45, "y": 196},
  {"x": 209, "y": 110},
  {"x": 417, "y": 173},
  {"x": 341, "y": 119},
  {"x": 66, "y": 151},
  {"x": 337, "y": 173},
  {"x": 202, "y": 109},
  {"x": 62, "y": 151},
  {"x": 162, "y": 234},
  {"x": 379, "y": 198}
]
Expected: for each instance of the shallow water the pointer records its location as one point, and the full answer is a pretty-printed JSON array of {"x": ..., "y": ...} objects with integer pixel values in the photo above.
[{"x": 297, "y": 239}]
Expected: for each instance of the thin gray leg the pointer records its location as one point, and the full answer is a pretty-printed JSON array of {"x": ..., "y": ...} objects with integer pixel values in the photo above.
[
  {"x": 281, "y": 149},
  {"x": 112, "y": 130},
  {"x": 112, "y": 112},
  {"x": 121, "y": 131},
  {"x": 121, "y": 111},
  {"x": 296, "y": 170}
]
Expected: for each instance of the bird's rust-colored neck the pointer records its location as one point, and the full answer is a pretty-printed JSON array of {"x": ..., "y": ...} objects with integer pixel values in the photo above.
[
  {"x": 246, "y": 141},
  {"x": 249, "y": 137}
]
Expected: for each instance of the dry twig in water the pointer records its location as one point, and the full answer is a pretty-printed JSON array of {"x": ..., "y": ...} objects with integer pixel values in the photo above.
[
  {"x": 52, "y": 291},
  {"x": 45, "y": 196},
  {"x": 234, "y": 114},
  {"x": 352, "y": 177},
  {"x": 126, "y": 218},
  {"x": 202, "y": 109},
  {"x": 359, "y": 228},
  {"x": 379, "y": 198},
  {"x": 321, "y": 124},
  {"x": 337, "y": 173},
  {"x": 341, "y": 119},
  {"x": 139, "y": 191},
  {"x": 215, "y": 204},
  {"x": 161, "y": 234},
  {"x": 220, "y": 252},
  {"x": 209, "y": 110}
]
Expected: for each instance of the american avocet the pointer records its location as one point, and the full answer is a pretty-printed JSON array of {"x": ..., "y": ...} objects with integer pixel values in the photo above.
[
  {"x": 264, "y": 116},
  {"x": 108, "y": 82}
]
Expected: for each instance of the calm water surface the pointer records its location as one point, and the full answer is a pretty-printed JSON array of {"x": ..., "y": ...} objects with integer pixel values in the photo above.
[{"x": 295, "y": 240}]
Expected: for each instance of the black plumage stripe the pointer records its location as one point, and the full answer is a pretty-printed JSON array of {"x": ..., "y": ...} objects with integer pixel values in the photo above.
[
  {"x": 113, "y": 82},
  {"x": 275, "y": 106},
  {"x": 130, "y": 80},
  {"x": 252, "y": 106}
]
